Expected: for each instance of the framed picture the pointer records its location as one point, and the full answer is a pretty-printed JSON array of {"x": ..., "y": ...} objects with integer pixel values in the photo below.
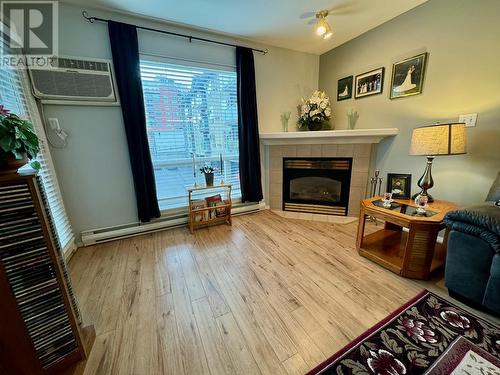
[
  {"x": 399, "y": 185},
  {"x": 408, "y": 76},
  {"x": 344, "y": 88},
  {"x": 369, "y": 83}
]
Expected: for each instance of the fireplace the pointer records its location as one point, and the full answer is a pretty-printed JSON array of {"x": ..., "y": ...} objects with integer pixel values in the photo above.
[{"x": 317, "y": 185}]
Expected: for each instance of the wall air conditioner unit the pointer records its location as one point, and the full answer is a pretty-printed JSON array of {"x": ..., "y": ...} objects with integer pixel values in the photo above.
[{"x": 75, "y": 81}]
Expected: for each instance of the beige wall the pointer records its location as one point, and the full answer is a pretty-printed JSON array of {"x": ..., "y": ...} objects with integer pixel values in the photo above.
[
  {"x": 94, "y": 169},
  {"x": 462, "y": 38},
  {"x": 282, "y": 78}
]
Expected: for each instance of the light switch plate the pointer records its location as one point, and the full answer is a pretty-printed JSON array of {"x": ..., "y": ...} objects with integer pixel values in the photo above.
[
  {"x": 53, "y": 123},
  {"x": 469, "y": 119}
]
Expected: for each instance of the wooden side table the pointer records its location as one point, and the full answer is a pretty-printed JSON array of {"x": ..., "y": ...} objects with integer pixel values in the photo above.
[{"x": 413, "y": 253}]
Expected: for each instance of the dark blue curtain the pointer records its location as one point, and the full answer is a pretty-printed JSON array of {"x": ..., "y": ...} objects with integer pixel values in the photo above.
[
  {"x": 125, "y": 49},
  {"x": 248, "y": 127}
]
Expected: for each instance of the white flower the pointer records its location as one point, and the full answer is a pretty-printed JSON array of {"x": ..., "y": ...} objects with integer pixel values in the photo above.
[{"x": 317, "y": 107}]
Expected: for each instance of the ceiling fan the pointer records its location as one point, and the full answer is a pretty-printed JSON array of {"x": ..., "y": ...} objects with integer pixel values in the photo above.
[
  {"x": 323, "y": 28},
  {"x": 321, "y": 25}
]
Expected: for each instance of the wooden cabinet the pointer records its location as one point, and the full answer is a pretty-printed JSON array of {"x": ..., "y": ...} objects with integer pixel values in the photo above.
[{"x": 39, "y": 319}]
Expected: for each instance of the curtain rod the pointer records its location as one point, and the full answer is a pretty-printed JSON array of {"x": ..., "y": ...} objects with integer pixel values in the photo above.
[{"x": 191, "y": 38}]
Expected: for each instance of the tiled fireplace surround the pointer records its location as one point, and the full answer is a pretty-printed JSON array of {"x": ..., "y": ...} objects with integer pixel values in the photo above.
[{"x": 361, "y": 156}]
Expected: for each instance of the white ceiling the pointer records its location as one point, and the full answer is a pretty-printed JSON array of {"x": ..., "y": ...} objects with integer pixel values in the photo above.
[{"x": 282, "y": 23}]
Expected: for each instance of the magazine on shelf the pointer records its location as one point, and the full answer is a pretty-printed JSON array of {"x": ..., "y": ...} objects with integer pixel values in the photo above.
[
  {"x": 212, "y": 202},
  {"x": 196, "y": 205},
  {"x": 221, "y": 211}
]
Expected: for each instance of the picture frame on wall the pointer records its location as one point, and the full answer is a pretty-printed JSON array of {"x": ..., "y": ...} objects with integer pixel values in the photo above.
[
  {"x": 344, "y": 88},
  {"x": 369, "y": 83},
  {"x": 399, "y": 185},
  {"x": 408, "y": 76}
]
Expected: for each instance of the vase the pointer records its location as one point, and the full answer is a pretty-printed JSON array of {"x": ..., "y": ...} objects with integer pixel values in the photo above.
[
  {"x": 209, "y": 179},
  {"x": 11, "y": 164},
  {"x": 315, "y": 125},
  {"x": 352, "y": 117},
  {"x": 284, "y": 123}
]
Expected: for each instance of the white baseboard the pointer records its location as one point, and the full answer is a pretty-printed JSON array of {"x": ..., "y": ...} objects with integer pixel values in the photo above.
[{"x": 96, "y": 236}]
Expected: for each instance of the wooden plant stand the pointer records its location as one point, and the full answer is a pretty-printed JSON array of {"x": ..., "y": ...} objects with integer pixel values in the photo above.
[
  {"x": 413, "y": 253},
  {"x": 193, "y": 213}
]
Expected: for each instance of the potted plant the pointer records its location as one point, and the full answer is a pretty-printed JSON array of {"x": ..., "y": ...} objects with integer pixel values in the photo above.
[
  {"x": 18, "y": 142},
  {"x": 315, "y": 112},
  {"x": 208, "y": 171}
]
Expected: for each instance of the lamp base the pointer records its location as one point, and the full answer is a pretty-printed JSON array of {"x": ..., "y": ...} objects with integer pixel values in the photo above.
[
  {"x": 426, "y": 182},
  {"x": 423, "y": 192}
]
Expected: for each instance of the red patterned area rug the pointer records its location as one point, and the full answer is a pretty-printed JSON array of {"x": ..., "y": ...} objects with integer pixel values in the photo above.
[{"x": 427, "y": 335}]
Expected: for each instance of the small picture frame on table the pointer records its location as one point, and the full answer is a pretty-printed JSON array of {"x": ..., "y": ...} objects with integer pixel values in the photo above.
[{"x": 399, "y": 185}]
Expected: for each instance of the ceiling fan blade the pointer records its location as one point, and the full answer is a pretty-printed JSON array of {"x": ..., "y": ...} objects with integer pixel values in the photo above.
[
  {"x": 312, "y": 22},
  {"x": 307, "y": 15},
  {"x": 347, "y": 7}
]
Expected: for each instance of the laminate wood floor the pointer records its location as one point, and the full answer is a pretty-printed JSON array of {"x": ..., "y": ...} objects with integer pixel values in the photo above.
[{"x": 268, "y": 295}]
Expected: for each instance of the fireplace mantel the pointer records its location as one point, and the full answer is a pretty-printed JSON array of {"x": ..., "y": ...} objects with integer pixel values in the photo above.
[{"x": 356, "y": 136}]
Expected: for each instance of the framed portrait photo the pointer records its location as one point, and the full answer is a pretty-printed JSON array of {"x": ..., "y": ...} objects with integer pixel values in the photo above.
[
  {"x": 344, "y": 88},
  {"x": 369, "y": 83},
  {"x": 408, "y": 76},
  {"x": 399, "y": 185}
]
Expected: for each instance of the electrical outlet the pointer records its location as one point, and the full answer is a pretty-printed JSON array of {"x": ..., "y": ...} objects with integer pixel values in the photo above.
[{"x": 469, "y": 119}]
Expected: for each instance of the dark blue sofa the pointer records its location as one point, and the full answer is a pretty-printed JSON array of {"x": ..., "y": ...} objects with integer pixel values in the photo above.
[{"x": 473, "y": 260}]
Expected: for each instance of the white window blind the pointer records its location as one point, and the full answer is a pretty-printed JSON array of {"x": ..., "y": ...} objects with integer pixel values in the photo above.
[
  {"x": 190, "y": 110},
  {"x": 15, "y": 95}
]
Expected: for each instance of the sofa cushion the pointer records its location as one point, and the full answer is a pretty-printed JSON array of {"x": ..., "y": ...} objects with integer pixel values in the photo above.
[{"x": 482, "y": 221}]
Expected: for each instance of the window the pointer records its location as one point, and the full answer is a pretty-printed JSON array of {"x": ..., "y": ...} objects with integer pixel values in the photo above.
[
  {"x": 14, "y": 85},
  {"x": 190, "y": 110}
]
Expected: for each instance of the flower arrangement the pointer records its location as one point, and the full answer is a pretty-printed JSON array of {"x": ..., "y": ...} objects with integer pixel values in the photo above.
[
  {"x": 206, "y": 169},
  {"x": 315, "y": 112},
  {"x": 18, "y": 141}
]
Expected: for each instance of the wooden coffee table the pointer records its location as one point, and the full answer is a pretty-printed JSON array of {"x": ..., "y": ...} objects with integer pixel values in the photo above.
[{"x": 412, "y": 253}]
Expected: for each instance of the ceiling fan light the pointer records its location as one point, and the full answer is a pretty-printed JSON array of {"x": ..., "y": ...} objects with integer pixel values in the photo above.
[
  {"x": 328, "y": 31},
  {"x": 321, "y": 26}
]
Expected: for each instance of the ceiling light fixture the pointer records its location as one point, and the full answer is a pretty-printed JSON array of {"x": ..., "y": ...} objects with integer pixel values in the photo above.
[
  {"x": 328, "y": 32},
  {"x": 322, "y": 27}
]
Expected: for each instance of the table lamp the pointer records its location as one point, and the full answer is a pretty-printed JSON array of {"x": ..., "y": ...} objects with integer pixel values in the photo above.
[{"x": 434, "y": 140}]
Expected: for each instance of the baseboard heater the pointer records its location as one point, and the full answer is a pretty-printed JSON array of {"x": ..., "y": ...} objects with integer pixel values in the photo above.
[{"x": 96, "y": 236}]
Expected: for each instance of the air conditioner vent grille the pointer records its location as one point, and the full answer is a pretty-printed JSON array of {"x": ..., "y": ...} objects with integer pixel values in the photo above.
[
  {"x": 75, "y": 81},
  {"x": 74, "y": 84},
  {"x": 96, "y": 66}
]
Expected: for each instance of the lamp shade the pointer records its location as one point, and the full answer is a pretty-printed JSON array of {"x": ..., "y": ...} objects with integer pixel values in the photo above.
[{"x": 441, "y": 139}]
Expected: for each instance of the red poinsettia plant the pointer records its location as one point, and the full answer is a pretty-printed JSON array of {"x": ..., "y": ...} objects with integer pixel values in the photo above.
[{"x": 17, "y": 139}]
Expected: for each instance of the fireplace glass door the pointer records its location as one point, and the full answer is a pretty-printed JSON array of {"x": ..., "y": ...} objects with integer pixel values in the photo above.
[{"x": 316, "y": 185}]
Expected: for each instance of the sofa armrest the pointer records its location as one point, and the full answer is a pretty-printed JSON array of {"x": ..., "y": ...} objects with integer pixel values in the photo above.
[{"x": 481, "y": 221}]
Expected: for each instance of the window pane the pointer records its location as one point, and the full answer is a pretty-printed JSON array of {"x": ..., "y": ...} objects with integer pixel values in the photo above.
[
  {"x": 14, "y": 96},
  {"x": 190, "y": 111}
]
